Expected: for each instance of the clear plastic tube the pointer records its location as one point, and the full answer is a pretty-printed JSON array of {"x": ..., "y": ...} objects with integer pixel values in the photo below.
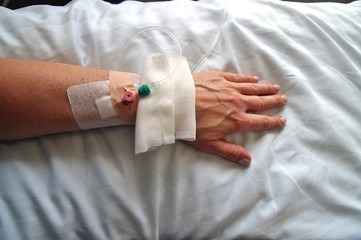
[
  {"x": 215, "y": 40},
  {"x": 156, "y": 84}
]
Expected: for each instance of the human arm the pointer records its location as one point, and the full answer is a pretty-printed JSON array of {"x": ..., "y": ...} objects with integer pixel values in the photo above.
[
  {"x": 33, "y": 98},
  {"x": 34, "y": 102}
]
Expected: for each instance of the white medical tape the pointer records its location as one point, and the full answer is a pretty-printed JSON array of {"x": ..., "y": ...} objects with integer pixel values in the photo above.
[
  {"x": 91, "y": 105},
  {"x": 105, "y": 107}
]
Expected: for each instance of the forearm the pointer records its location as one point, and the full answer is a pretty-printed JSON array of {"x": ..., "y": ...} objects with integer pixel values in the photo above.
[{"x": 33, "y": 96}]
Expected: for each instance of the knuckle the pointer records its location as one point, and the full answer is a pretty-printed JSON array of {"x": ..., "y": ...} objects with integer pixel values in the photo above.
[
  {"x": 243, "y": 123},
  {"x": 230, "y": 76},
  {"x": 261, "y": 103},
  {"x": 254, "y": 90},
  {"x": 266, "y": 123},
  {"x": 250, "y": 89},
  {"x": 227, "y": 151},
  {"x": 283, "y": 99},
  {"x": 247, "y": 78},
  {"x": 233, "y": 154},
  {"x": 236, "y": 123},
  {"x": 240, "y": 102},
  {"x": 220, "y": 74}
]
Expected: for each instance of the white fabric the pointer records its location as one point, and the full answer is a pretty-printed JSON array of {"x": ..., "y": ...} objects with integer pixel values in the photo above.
[
  {"x": 304, "y": 181},
  {"x": 168, "y": 113}
]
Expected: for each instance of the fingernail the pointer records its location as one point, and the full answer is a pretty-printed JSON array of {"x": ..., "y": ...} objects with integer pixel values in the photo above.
[
  {"x": 256, "y": 78},
  {"x": 276, "y": 87},
  {"x": 244, "y": 162},
  {"x": 284, "y": 98},
  {"x": 283, "y": 120}
]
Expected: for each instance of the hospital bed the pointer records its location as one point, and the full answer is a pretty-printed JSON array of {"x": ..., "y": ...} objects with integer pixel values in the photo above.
[{"x": 304, "y": 181}]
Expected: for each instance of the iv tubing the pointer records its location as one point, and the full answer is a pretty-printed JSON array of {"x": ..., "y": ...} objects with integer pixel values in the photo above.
[
  {"x": 169, "y": 34},
  {"x": 213, "y": 45},
  {"x": 176, "y": 42}
]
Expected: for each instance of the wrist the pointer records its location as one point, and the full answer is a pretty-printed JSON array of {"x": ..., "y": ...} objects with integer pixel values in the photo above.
[
  {"x": 124, "y": 96},
  {"x": 167, "y": 114}
]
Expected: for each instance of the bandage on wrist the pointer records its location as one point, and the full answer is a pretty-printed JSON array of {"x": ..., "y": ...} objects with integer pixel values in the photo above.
[
  {"x": 124, "y": 96},
  {"x": 101, "y": 103},
  {"x": 164, "y": 113},
  {"x": 91, "y": 105},
  {"x": 168, "y": 113}
]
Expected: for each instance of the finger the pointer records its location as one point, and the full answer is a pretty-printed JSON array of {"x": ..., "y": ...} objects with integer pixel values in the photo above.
[
  {"x": 239, "y": 78},
  {"x": 257, "y": 89},
  {"x": 230, "y": 151},
  {"x": 255, "y": 122},
  {"x": 260, "y": 103},
  {"x": 225, "y": 149}
]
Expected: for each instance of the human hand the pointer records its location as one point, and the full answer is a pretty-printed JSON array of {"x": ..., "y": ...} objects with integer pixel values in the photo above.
[{"x": 224, "y": 102}]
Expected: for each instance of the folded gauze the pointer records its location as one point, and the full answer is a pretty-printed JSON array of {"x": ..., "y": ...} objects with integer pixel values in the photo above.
[{"x": 168, "y": 112}]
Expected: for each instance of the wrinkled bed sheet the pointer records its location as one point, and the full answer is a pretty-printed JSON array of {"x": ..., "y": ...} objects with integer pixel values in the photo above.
[{"x": 304, "y": 181}]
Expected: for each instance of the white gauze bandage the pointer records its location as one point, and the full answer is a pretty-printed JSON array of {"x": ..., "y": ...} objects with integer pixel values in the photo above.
[{"x": 168, "y": 113}]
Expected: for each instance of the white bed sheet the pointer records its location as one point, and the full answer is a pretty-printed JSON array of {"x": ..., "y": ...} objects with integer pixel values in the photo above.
[{"x": 304, "y": 181}]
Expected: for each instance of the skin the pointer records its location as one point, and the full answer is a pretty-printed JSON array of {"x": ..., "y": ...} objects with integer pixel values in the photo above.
[
  {"x": 33, "y": 102},
  {"x": 225, "y": 104},
  {"x": 33, "y": 97}
]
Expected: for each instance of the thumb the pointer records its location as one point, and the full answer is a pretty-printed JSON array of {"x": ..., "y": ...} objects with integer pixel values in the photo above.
[
  {"x": 230, "y": 151},
  {"x": 225, "y": 149}
]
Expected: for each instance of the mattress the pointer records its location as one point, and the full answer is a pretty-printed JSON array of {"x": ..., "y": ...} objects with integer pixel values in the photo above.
[{"x": 304, "y": 181}]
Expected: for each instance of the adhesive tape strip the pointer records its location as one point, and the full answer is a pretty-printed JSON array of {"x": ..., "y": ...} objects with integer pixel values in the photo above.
[
  {"x": 105, "y": 107},
  {"x": 119, "y": 83},
  {"x": 91, "y": 105}
]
